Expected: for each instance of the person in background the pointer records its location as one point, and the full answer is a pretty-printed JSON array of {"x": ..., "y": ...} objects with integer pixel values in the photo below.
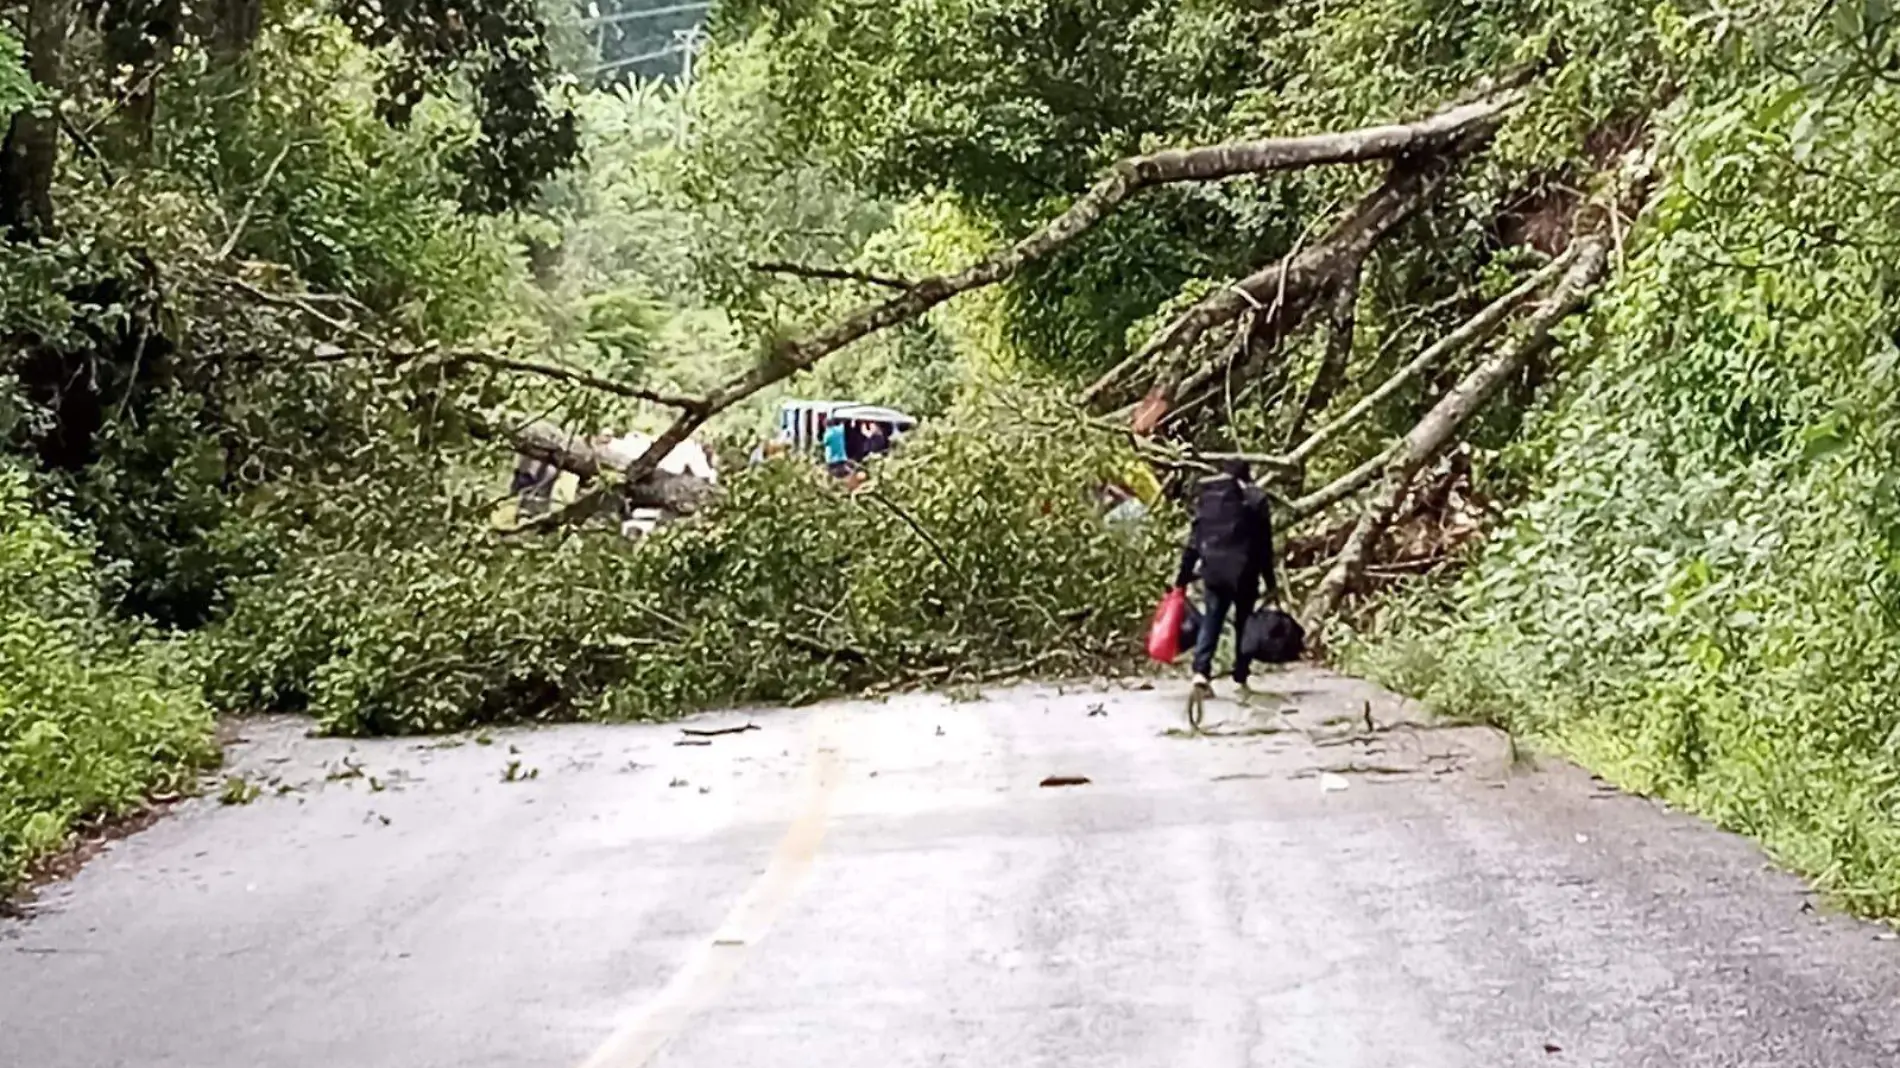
[
  {"x": 837, "y": 450},
  {"x": 1232, "y": 544},
  {"x": 875, "y": 440},
  {"x": 1124, "y": 508},
  {"x": 533, "y": 485}
]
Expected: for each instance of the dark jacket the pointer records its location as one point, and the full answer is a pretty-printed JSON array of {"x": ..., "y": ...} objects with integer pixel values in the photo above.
[{"x": 1232, "y": 538}]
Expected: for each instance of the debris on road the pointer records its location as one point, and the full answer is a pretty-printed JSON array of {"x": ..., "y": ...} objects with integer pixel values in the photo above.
[
  {"x": 717, "y": 731},
  {"x": 1066, "y": 780},
  {"x": 1330, "y": 783},
  {"x": 692, "y": 741},
  {"x": 238, "y": 791}
]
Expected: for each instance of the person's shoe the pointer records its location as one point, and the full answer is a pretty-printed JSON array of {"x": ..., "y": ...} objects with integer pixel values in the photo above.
[{"x": 1202, "y": 686}]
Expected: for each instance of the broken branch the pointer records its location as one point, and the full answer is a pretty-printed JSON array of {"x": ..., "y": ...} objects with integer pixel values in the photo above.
[
  {"x": 1127, "y": 178},
  {"x": 1340, "y": 488},
  {"x": 1436, "y": 430},
  {"x": 551, "y": 444},
  {"x": 571, "y": 375},
  {"x": 834, "y": 274},
  {"x": 1478, "y": 328}
]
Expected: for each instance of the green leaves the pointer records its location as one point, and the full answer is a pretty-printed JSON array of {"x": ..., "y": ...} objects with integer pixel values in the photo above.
[
  {"x": 790, "y": 590},
  {"x": 1697, "y": 595},
  {"x": 17, "y": 90},
  {"x": 92, "y": 720}
]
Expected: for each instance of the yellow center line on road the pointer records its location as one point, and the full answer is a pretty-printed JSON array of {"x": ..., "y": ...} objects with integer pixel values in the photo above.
[{"x": 709, "y": 971}]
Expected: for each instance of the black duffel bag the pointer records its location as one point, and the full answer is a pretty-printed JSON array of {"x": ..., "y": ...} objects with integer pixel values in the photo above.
[{"x": 1272, "y": 637}]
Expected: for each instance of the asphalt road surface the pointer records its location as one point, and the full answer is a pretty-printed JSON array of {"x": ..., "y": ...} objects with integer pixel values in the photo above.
[{"x": 890, "y": 885}]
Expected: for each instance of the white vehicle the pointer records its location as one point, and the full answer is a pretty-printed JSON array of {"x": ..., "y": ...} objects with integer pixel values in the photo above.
[{"x": 802, "y": 423}]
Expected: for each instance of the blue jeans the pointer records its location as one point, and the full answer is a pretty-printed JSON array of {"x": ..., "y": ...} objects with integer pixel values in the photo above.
[{"x": 1219, "y": 604}]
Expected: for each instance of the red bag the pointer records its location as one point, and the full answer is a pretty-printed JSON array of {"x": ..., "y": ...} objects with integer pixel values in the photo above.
[{"x": 1164, "y": 634}]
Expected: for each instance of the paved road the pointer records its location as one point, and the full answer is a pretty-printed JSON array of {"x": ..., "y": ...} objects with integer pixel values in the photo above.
[{"x": 889, "y": 885}]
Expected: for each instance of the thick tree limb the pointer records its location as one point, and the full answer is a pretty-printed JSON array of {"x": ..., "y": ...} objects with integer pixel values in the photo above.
[
  {"x": 833, "y": 274},
  {"x": 1340, "y": 488},
  {"x": 1478, "y": 328},
  {"x": 1441, "y": 424}
]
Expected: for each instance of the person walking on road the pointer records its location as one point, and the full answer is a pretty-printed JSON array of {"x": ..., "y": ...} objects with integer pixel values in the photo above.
[{"x": 1232, "y": 544}]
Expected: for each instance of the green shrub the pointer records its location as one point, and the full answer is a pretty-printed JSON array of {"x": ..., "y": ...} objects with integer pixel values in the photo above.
[
  {"x": 91, "y": 721},
  {"x": 976, "y": 547},
  {"x": 1700, "y": 596}
]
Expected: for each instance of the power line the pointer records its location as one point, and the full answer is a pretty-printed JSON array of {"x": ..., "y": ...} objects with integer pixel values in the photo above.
[{"x": 650, "y": 13}]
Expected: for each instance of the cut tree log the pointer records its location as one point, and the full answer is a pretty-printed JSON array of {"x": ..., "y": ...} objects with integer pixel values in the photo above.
[
  {"x": 1441, "y": 424},
  {"x": 552, "y": 444}
]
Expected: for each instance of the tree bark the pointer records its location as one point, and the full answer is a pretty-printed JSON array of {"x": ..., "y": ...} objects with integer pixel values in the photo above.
[
  {"x": 30, "y": 155},
  {"x": 1441, "y": 424},
  {"x": 678, "y": 494}
]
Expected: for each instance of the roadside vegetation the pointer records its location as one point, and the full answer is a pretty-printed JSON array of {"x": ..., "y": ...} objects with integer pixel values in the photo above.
[{"x": 1561, "y": 329}]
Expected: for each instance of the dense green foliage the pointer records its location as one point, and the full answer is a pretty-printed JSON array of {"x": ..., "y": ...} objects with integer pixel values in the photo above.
[
  {"x": 972, "y": 551},
  {"x": 91, "y": 722},
  {"x": 1700, "y": 594},
  {"x": 216, "y": 434}
]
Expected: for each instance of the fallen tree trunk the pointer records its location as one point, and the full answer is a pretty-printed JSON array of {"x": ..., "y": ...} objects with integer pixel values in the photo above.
[
  {"x": 1281, "y": 293},
  {"x": 1286, "y": 291},
  {"x": 1442, "y": 423},
  {"x": 552, "y": 444}
]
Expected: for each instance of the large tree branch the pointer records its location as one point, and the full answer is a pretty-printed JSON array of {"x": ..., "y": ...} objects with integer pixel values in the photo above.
[
  {"x": 1475, "y": 330},
  {"x": 1340, "y": 488},
  {"x": 1441, "y": 424}
]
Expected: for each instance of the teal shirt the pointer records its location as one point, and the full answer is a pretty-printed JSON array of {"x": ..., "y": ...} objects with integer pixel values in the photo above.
[{"x": 834, "y": 444}]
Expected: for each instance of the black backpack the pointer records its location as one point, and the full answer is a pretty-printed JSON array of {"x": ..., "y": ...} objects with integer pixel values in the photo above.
[
  {"x": 1228, "y": 524},
  {"x": 1272, "y": 637}
]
